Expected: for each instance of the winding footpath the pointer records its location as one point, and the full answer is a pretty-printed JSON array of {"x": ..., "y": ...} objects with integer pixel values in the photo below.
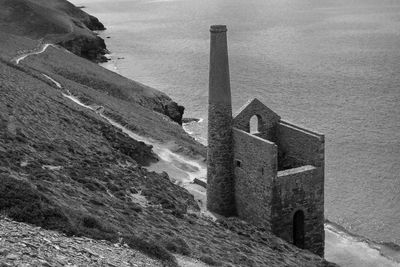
[
  {"x": 37, "y": 51},
  {"x": 181, "y": 169},
  {"x": 23, "y": 244}
]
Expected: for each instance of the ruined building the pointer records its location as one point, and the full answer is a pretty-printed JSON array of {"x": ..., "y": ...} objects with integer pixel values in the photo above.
[{"x": 272, "y": 176}]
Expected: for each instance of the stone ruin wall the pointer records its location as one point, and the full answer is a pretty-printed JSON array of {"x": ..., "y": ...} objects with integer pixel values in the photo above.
[
  {"x": 301, "y": 188},
  {"x": 254, "y": 177},
  {"x": 299, "y": 147},
  {"x": 267, "y": 120},
  {"x": 269, "y": 198}
]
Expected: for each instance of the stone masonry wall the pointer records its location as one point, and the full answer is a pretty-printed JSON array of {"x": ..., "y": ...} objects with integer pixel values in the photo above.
[
  {"x": 254, "y": 177},
  {"x": 220, "y": 185},
  {"x": 267, "y": 119},
  {"x": 300, "y": 189},
  {"x": 299, "y": 146}
]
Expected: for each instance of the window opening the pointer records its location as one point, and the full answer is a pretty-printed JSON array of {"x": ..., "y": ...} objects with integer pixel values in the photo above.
[
  {"x": 254, "y": 124},
  {"x": 238, "y": 163}
]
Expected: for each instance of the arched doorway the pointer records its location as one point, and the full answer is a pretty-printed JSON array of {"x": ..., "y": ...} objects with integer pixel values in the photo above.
[{"x": 298, "y": 229}]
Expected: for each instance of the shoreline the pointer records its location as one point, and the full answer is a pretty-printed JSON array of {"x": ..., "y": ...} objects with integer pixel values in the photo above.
[
  {"x": 110, "y": 64},
  {"x": 390, "y": 251}
]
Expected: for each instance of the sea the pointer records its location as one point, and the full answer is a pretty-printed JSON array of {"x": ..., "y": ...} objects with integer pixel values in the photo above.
[{"x": 329, "y": 65}]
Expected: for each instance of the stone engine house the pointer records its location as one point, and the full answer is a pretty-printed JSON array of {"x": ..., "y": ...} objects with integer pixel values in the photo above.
[{"x": 271, "y": 175}]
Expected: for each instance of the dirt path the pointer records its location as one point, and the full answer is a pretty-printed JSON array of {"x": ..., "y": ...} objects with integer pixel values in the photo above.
[{"x": 34, "y": 52}]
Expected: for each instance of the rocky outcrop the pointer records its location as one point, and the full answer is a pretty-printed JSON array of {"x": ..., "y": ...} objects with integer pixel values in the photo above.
[
  {"x": 89, "y": 47},
  {"x": 56, "y": 21},
  {"x": 190, "y": 120},
  {"x": 94, "y": 24},
  {"x": 174, "y": 111}
]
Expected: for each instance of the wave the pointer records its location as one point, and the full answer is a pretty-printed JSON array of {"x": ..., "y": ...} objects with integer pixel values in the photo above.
[{"x": 111, "y": 64}]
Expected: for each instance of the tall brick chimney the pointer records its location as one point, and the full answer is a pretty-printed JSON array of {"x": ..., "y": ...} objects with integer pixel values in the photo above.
[{"x": 220, "y": 186}]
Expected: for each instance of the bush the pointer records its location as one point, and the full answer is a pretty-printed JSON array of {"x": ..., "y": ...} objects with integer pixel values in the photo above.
[
  {"x": 91, "y": 222},
  {"x": 21, "y": 202},
  {"x": 151, "y": 249},
  {"x": 209, "y": 260},
  {"x": 177, "y": 245}
]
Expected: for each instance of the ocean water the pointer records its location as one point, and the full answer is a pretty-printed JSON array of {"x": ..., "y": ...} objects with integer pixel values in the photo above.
[{"x": 329, "y": 65}]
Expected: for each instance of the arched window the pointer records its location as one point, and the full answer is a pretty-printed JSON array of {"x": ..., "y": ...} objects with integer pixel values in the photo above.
[
  {"x": 298, "y": 229},
  {"x": 254, "y": 124}
]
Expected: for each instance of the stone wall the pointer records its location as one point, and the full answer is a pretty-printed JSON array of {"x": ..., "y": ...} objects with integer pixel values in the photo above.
[
  {"x": 267, "y": 119},
  {"x": 300, "y": 189},
  {"x": 255, "y": 166},
  {"x": 299, "y": 146},
  {"x": 220, "y": 185}
]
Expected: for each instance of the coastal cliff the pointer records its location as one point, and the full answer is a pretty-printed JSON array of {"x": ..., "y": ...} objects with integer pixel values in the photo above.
[
  {"x": 65, "y": 167},
  {"x": 60, "y": 22},
  {"x": 57, "y": 21}
]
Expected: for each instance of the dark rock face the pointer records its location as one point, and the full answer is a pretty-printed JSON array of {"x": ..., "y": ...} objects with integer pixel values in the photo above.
[
  {"x": 190, "y": 120},
  {"x": 94, "y": 24},
  {"x": 92, "y": 48},
  {"x": 200, "y": 182},
  {"x": 174, "y": 111}
]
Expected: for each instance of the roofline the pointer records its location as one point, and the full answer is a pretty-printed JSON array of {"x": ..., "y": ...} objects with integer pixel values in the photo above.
[{"x": 302, "y": 129}]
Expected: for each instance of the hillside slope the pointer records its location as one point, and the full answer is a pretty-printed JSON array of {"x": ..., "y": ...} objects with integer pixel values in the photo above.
[
  {"x": 56, "y": 21},
  {"x": 26, "y": 25},
  {"x": 65, "y": 168},
  {"x": 58, "y": 62}
]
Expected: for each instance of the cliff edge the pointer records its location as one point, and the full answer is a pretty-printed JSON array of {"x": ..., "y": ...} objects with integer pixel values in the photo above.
[
  {"x": 56, "y": 21},
  {"x": 27, "y": 25}
]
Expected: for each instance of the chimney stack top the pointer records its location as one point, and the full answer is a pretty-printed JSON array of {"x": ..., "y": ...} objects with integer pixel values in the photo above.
[{"x": 218, "y": 28}]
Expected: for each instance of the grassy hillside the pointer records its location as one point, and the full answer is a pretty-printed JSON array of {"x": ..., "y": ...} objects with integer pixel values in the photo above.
[
  {"x": 69, "y": 69},
  {"x": 56, "y": 21}
]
